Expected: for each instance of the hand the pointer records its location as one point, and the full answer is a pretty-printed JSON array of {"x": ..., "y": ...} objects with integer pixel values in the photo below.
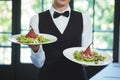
[{"x": 35, "y": 48}]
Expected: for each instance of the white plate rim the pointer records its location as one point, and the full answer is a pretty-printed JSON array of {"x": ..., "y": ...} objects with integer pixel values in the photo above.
[
  {"x": 69, "y": 55},
  {"x": 52, "y": 38}
]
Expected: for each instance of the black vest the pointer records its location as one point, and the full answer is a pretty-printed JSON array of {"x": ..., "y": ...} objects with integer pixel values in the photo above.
[
  {"x": 70, "y": 38},
  {"x": 56, "y": 65}
]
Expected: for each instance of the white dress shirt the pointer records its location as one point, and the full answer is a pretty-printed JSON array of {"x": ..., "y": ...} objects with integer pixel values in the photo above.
[{"x": 61, "y": 23}]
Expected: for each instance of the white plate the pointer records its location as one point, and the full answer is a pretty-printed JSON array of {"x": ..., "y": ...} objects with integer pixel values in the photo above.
[
  {"x": 48, "y": 36},
  {"x": 68, "y": 53}
]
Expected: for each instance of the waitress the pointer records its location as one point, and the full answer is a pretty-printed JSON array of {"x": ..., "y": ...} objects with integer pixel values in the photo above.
[{"x": 73, "y": 29}]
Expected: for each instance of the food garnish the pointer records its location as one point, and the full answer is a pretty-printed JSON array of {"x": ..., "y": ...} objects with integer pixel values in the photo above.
[
  {"x": 88, "y": 56},
  {"x": 32, "y": 37}
]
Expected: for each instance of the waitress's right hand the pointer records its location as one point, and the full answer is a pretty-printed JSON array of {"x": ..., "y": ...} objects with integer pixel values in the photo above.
[{"x": 35, "y": 48}]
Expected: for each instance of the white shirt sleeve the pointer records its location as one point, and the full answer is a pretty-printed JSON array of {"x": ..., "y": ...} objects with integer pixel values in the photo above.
[
  {"x": 38, "y": 58},
  {"x": 87, "y": 30},
  {"x": 34, "y": 23}
]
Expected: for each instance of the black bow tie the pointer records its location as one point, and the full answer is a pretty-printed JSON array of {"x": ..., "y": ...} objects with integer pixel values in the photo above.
[{"x": 56, "y": 14}]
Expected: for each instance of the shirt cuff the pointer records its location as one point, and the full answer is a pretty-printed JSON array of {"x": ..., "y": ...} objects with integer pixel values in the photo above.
[{"x": 38, "y": 58}]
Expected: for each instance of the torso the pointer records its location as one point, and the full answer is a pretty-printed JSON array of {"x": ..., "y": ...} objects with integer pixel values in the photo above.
[{"x": 56, "y": 64}]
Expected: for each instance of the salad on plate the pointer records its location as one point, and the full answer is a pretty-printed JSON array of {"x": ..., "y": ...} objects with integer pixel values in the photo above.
[
  {"x": 88, "y": 56},
  {"x": 32, "y": 37}
]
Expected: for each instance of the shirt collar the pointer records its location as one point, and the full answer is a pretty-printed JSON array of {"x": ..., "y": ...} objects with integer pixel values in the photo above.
[{"x": 52, "y": 9}]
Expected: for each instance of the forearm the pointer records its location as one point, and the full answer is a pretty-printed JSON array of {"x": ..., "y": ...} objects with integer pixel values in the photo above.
[{"x": 38, "y": 58}]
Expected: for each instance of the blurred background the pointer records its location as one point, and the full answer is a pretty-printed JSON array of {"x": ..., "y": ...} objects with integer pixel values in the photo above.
[{"x": 15, "y": 16}]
